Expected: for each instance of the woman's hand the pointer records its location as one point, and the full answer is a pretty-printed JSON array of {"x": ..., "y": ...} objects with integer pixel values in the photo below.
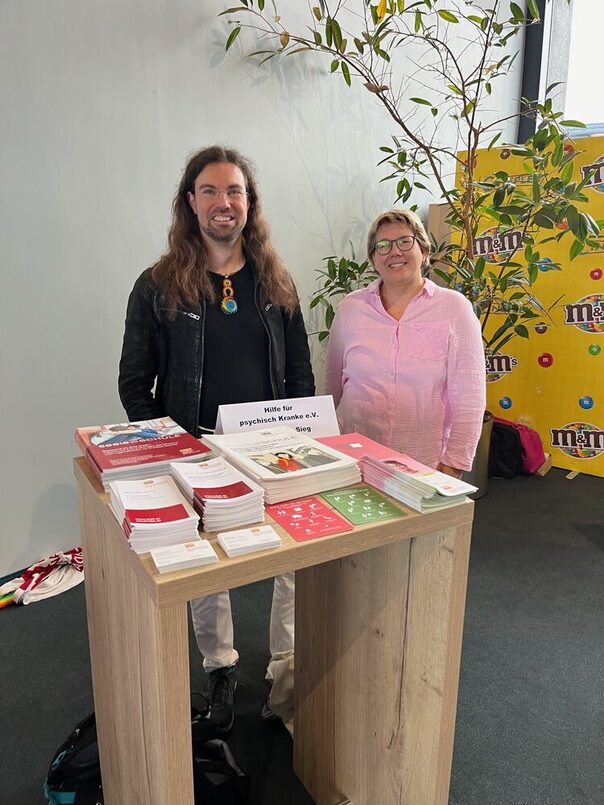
[{"x": 450, "y": 470}]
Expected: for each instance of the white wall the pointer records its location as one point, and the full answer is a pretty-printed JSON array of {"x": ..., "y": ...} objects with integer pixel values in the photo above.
[{"x": 101, "y": 104}]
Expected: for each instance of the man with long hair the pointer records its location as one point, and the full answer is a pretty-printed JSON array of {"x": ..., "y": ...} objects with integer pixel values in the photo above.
[{"x": 216, "y": 321}]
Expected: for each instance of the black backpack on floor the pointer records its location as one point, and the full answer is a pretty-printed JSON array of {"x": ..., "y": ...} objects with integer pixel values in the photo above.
[
  {"x": 505, "y": 451},
  {"x": 74, "y": 776}
]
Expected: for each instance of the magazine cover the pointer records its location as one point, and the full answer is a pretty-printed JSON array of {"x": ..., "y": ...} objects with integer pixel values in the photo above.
[
  {"x": 131, "y": 443},
  {"x": 277, "y": 451}
]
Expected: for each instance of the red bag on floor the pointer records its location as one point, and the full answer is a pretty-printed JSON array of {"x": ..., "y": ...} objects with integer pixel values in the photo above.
[{"x": 533, "y": 455}]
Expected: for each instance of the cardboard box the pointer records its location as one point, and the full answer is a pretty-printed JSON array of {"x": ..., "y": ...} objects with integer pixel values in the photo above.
[{"x": 546, "y": 466}]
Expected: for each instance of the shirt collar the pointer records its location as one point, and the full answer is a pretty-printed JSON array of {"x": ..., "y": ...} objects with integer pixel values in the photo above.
[{"x": 427, "y": 290}]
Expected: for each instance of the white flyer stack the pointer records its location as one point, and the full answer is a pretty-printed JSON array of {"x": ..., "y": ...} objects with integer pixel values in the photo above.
[
  {"x": 153, "y": 513},
  {"x": 185, "y": 555},
  {"x": 285, "y": 463},
  {"x": 249, "y": 540},
  {"x": 222, "y": 495}
]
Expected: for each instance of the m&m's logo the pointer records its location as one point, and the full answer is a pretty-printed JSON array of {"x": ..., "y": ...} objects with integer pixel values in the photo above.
[
  {"x": 499, "y": 365},
  {"x": 578, "y": 439},
  {"x": 496, "y": 244},
  {"x": 586, "y": 314},
  {"x": 594, "y": 173}
]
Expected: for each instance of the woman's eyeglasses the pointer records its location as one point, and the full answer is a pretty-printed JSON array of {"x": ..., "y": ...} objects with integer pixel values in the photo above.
[{"x": 403, "y": 244}]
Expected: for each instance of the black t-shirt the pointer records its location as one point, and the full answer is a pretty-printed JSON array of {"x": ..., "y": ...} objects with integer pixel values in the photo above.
[{"x": 236, "y": 351}]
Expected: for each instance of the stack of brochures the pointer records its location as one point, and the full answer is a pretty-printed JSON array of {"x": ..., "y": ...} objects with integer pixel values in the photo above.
[
  {"x": 184, "y": 555},
  {"x": 249, "y": 540},
  {"x": 285, "y": 463},
  {"x": 221, "y": 495},
  {"x": 137, "y": 449},
  {"x": 400, "y": 476},
  {"x": 153, "y": 513}
]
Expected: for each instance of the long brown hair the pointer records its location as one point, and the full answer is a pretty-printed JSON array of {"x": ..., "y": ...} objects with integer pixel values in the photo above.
[{"x": 181, "y": 274}]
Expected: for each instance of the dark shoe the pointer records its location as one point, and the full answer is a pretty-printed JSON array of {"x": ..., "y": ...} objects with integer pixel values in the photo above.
[{"x": 222, "y": 698}]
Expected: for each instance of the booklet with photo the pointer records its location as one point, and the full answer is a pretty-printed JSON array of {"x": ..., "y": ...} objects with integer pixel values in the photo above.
[
  {"x": 137, "y": 449},
  {"x": 287, "y": 464}
]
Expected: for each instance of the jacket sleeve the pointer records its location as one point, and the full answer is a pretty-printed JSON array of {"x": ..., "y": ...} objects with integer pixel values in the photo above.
[
  {"x": 140, "y": 355},
  {"x": 299, "y": 378},
  {"x": 466, "y": 390}
]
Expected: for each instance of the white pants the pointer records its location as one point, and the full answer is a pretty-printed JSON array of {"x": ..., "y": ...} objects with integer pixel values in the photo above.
[{"x": 213, "y": 625}]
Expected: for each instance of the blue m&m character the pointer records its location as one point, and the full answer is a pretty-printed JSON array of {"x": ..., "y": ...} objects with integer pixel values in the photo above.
[
  {"x": 586, "y": 402},
  {"x": 505, "y": 402}
]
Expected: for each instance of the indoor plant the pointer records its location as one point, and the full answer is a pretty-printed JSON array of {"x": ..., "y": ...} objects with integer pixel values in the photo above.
[
  {"x": 461, "y": 50},
  {"x": 443, "y": 120}
]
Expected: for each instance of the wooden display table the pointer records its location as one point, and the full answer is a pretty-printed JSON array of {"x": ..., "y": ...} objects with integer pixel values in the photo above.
[{"x": 379, "y": 619}]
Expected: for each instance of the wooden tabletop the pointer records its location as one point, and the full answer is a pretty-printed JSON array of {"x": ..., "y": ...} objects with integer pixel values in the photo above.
[{"x": 178, "y": 586}]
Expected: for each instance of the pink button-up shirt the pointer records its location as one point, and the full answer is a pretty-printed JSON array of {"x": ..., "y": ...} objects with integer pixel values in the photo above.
[{"x": 416, "y": 385}]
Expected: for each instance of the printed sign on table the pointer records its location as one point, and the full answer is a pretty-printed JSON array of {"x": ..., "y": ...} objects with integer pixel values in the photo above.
[{"x": 314, "y": 416}]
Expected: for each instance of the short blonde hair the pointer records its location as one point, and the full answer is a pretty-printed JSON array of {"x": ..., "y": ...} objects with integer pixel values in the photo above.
[{"x": 406, "y": 218}]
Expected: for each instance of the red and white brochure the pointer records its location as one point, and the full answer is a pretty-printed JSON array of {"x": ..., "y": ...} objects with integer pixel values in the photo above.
[
  {"x": 133, "y": 449},
  {"x": 152, "y": 512},
  {"x": 308, "y": 518},
  {"x": 223, "y": 496}
]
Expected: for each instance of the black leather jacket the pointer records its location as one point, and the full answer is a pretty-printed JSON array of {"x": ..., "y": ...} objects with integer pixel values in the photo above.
[{"x": 169, "y": 353}]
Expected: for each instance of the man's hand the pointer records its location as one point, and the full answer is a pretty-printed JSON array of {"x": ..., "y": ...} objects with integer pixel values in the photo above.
[{"x": 450, "y": 470}]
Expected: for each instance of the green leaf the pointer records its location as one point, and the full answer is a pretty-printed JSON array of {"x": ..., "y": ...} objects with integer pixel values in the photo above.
[
  {"x": 575, "y": 250},
  {"x": 449, "y": 16},
  {"x": 552, "y": 86},
  {"x": 532, "y": 8},
  {"x": 346, "y": 73},
  {"x": 521, "y": 330},
  {"x": 317, "y": 38},
  {"x": 232, "y": 37},
  {"x": 517, "y": 12},
  {"x": 418, "y": 21},
  {"x": 328, "y": 32},
  {"x": 236, "y": 10},
  {"x": 574, "y": 123},
  {"x": 543, "y": 221},
  {"x": 334, "y": 65},
  {"x": 317, "y": 12},
  {"x": 261, "y": 5},
  {"x": 337, "y": 33},
  {"x": 493, "y": 141},
  {"x": 421, "y": 100}
]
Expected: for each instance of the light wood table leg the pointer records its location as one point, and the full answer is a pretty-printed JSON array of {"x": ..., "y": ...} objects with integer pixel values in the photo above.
[
  {"x": 378, "y": 644},
  {"x": 140, "y": 670}
]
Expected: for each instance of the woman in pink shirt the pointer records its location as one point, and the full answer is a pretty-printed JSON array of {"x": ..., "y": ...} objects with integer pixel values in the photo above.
[{"x": 405, "y": 361}]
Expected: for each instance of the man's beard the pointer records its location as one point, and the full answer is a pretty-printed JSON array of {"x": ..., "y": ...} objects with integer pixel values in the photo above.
[{"x": 222, "y": 237}]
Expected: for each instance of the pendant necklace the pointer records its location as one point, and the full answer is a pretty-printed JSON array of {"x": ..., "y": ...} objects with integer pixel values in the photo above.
[{"x": 228, "y": 304}]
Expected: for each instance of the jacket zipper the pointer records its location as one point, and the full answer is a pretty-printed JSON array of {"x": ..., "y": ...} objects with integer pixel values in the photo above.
[
  {"x": 270, "y": 339},
  {"x": 202, "y": 348}
]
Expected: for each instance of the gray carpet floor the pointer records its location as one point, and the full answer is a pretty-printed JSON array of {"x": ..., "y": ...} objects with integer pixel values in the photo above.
[{"x": 530, "y": 721}]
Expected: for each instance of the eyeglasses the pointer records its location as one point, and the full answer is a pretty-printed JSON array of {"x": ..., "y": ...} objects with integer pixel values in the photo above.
[
  {"x": 233, "y": 193},
  {"x": 404, "y": 244}
]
